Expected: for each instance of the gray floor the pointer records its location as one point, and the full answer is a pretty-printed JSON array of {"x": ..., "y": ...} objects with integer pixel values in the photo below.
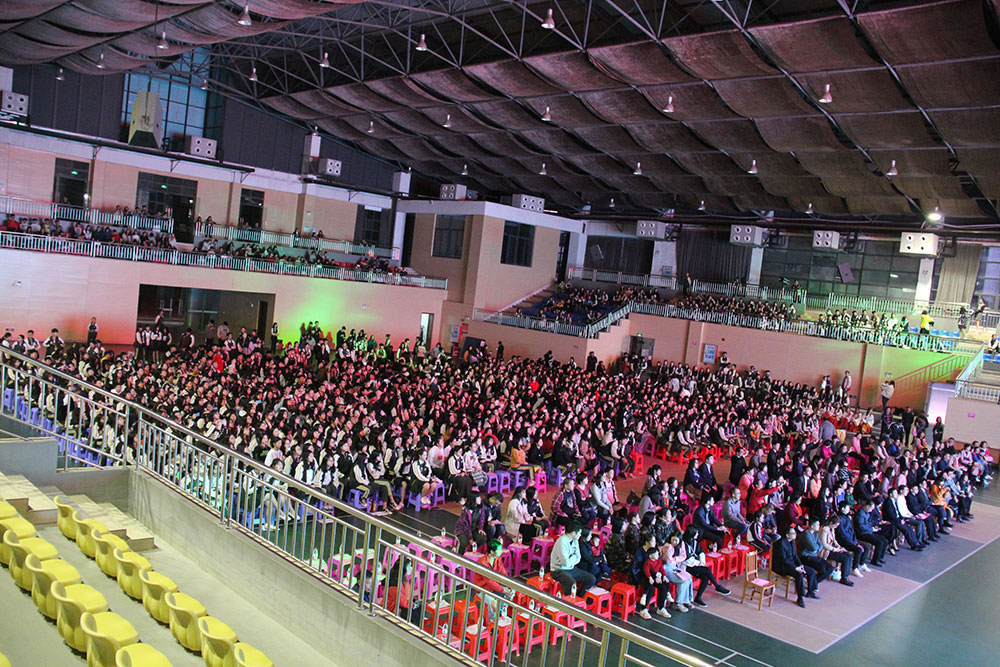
[{"x": 28, "y": 639}]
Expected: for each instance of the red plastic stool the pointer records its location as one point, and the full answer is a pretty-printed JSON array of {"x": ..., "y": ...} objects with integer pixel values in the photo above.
[
  {"x": 532, "y": 637},
  {"x": 504, "y": 629},
  {"x": 437, "y": 616},
  {"x": 574, "y": 622},
  {"x": 520, "y": 557},
  {"x": 557, "y": 616},
  {"x": 541, "y": 550},
  {"x": 461, "y": 609},
  {"x": 741, "y": 557},
  {"x": 623, "y": 600},
  {"x": 598, "y": 602},
  {"x": 481, "y": 651},
  {"x": 716, "y": 562}
]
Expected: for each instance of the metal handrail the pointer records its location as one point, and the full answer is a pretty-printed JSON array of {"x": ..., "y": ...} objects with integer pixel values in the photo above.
[
  {"x": 53, "y": 211},
  {"x": 268, "y": 237},
  {"x": 50, "y": 244},
  {"x": 368, "y": 521}
]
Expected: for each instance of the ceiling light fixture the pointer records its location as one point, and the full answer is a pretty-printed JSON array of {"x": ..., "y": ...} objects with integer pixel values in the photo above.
[
  {"x": 827, "y": 96},
  {"x": 935, "y": 215},
  {"x": 60, "y": 76},
  {"x": 892, "y": 170},
  {"x": 422, "y": 44},
  {"x": 325, "y": 62},
  {"x": 550, "y": 22},
  {"x": 543, "y": 171},
  {"x": 100, "y": 61},
  {"x": 701, "y": 205},
  {"x": 612, "y": 204},
  {"x": 163, "y": 44},
  {"x": 753, "y": 167},
  {"x": 245, "y": 17},
  {"x": 371, "y": 127},
  {"x": 809, "y": 209},
  {"x": 670, "y": 104},
  {"x": 638, "y": 169},
  {"x": 546, "y": 117},
  {"x": 253, "y": 73},
  {"x": 465, "y": 170},
  {"x": 204, "y": 84},
  {"x": 447, "y": 122}
]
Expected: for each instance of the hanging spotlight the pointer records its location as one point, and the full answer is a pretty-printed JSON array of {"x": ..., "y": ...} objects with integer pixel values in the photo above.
[
  {"x": 163, "y": 44},
  {"x": 753, "y": 167},
  {"x": 371, "y": 127},
  {"x": 892, "y": 170},
  {"x": 809, "y": 209},
  {"x": 100, "y": 61},
  {"x": 827, "y": 95},
  {"x": 701, "y": 206},
  {"x": 543, "y": 171},
  {"x": 670, "y": 104},
  {"x": 325, "y": 62},
  {"x": 465, "y": 170},
  {"x": 422, "y": 44},
  {"x": 550, "y": 22},
  {"x": 638, "y": 169},
  {"x": 935, "y": 215},
  {"x": 60, "y": 76},
  {"x": 253, "y": 73},
  {"x": 447, "y": 122},
  {"x": 245, "y": 16},
  {"x": 204, "y": 84},
  {"x": 612, "y": 204},
  {"x": 546, "y": 117}
]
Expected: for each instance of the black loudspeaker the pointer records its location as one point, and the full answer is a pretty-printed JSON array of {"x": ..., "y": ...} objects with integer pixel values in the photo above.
[
  {"x": 146, "y": 125},
  {"x": 846, "y": 275},
  {"x": 595, "y": 252}
]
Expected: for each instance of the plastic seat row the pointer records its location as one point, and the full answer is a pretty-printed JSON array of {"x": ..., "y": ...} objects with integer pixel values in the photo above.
[
  {"x": 81, "y": 613},
  {"x": 187, "y": 618}
]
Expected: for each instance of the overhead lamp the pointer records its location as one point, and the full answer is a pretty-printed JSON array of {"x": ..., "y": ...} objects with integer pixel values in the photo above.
[
  {"x": 204, "y": 84},
  {"x": 612, "y": 204},
  {"x": 371, "y": 127},
  {"x": 550, "y": 22},
  {"x": 546, "y": 117},
  {"x": 935, "y": 215},
  {"x": 253, "y": 73},
  {"x": 892, "y": 170},
  {"x": 60, "y": 76},
  {"x": 827, "y": 96},
  {"x": 543, "y": 171},
  {"x": 670, "y": 104},
  {"x": 465, "y": 170},
  {"x": 100, "y": 61},
  {"x": 753, "y": 167},
  {"x": 245, "y": 16},
  {"x": 422, "y": 44},
  {"x": 701, "y": 205},
  {"x": 809, "y": 209},
  {"x": 325, "y": 61},
  {"x": 447, "y": 122},
  {"x": 638, "y": 169},
  {"x": 163, "y": 44}
]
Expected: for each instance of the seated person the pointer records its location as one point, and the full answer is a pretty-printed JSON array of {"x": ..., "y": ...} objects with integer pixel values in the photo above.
[
  {"x": 565, "y": 561},
  {"x": 786, "y": 562}
]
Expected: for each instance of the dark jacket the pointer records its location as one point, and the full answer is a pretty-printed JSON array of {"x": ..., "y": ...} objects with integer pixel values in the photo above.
[{"x": 785, "y": 557}]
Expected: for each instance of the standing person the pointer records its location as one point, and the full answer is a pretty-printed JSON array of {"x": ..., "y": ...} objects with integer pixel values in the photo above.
[
  {"x": 566, "y": 559},
  {"x": 274, "y": 336},
  {"x": 223, "y": 332},
  {"x": 499, "y": 350},
  {"x": 887, "y": 390},
  {"x": 210, "y": 333},
  {"x": 92, "y": 331}
]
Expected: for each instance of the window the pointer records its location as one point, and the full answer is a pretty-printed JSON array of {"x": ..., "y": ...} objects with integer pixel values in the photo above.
[
  {"x": 518, "y": 244},
  {"x": 70, "y": 183},
  {"x": 183, "y": 105},
  {"x": 988, "y": 280},
  {"x": 370, "y": 227},
  {"x": 449, "y": 236},
  {"x": 251, "y": 208}
]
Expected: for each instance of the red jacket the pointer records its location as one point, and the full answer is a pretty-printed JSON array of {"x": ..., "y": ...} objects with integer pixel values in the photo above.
[{"x": 490, "y": 584}]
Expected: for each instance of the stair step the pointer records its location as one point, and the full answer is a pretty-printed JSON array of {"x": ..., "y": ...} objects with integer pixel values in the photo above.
[
  {"x": 94, "y": 511},
  {"x": 34, "y": 505},
  {"x": 138, "y": 537}
]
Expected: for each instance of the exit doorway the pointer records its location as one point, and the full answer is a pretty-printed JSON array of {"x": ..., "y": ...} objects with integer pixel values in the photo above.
[
  {"x": 426, "y": 328},
  {"x": 642, "y": 346}
]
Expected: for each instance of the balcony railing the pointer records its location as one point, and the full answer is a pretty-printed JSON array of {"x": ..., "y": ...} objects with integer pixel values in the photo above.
[
  {"x": 347, "y": 549},
  {"x": 18, "y": 206},
  {"x": 265, "y": 237},
  {"x": 49, "y": 244}
]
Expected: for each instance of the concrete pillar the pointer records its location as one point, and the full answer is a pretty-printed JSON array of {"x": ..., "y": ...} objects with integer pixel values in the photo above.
[
  {"x": 756, "y": 261},
  {"x": 664, "y": 259},
  {"x": 398, "y": 230},
  {"x": 924, "y": 277},
  {"x": 577, "y": 250}
]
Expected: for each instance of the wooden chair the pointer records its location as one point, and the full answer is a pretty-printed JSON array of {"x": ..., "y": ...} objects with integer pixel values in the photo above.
[
  {"x": 761, "y": 588},
  {"x": 777, "y": 578}
]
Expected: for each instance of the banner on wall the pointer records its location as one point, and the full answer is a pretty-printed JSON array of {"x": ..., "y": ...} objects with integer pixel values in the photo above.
[{"x": 708, "y": 356}]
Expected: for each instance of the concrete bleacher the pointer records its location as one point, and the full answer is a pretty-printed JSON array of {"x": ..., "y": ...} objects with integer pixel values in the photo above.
[
  {"x": 29, "y": 501},
  {"x": 118, "y": 523}
]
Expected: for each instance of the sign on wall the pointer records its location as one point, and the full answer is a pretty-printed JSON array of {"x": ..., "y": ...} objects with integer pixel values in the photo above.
[{"x": 708, "y": 356}]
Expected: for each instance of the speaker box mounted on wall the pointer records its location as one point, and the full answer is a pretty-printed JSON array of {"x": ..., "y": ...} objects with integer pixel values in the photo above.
[
  {"x": 528, "y": 203},
  {"x": 200, "y": 147},
  {"x": 826, "y": 240},
  {"x": 146, "y": 125},
  {"x": 13, "y": 104},
  {"x": 922, "y": 245},
  {"x": 453, "y": 191},
  {"x": 748, "y": 235},
  {"x": 328, "y": 167}
]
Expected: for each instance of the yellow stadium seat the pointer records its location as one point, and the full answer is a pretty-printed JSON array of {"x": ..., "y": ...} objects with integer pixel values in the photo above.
[
  {"x": 67, "y": 526},
  {"x": 19, "y": 550},
  {"x": 106, "y": 633},
  {"x": 105, "y": 546},
  {"x": 154, "y": 587},
  {"x": 129, "y": 566},
  {"x": 21, "y": 527},
  {"x": 7, "y": 511},
  {"x": 74, "y": 601},
  {"x": 140, "y": 655},
  {"x": 248, "y": 656},
  {"x": 84, "y": 534},
  {"x": 217, "y": 642},
  {"x": 184, "y": 614},
  {"x": 43, "y": 573}
]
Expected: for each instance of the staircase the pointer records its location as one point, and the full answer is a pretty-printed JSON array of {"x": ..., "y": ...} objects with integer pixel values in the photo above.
[{"x": 532, "y": 299}]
